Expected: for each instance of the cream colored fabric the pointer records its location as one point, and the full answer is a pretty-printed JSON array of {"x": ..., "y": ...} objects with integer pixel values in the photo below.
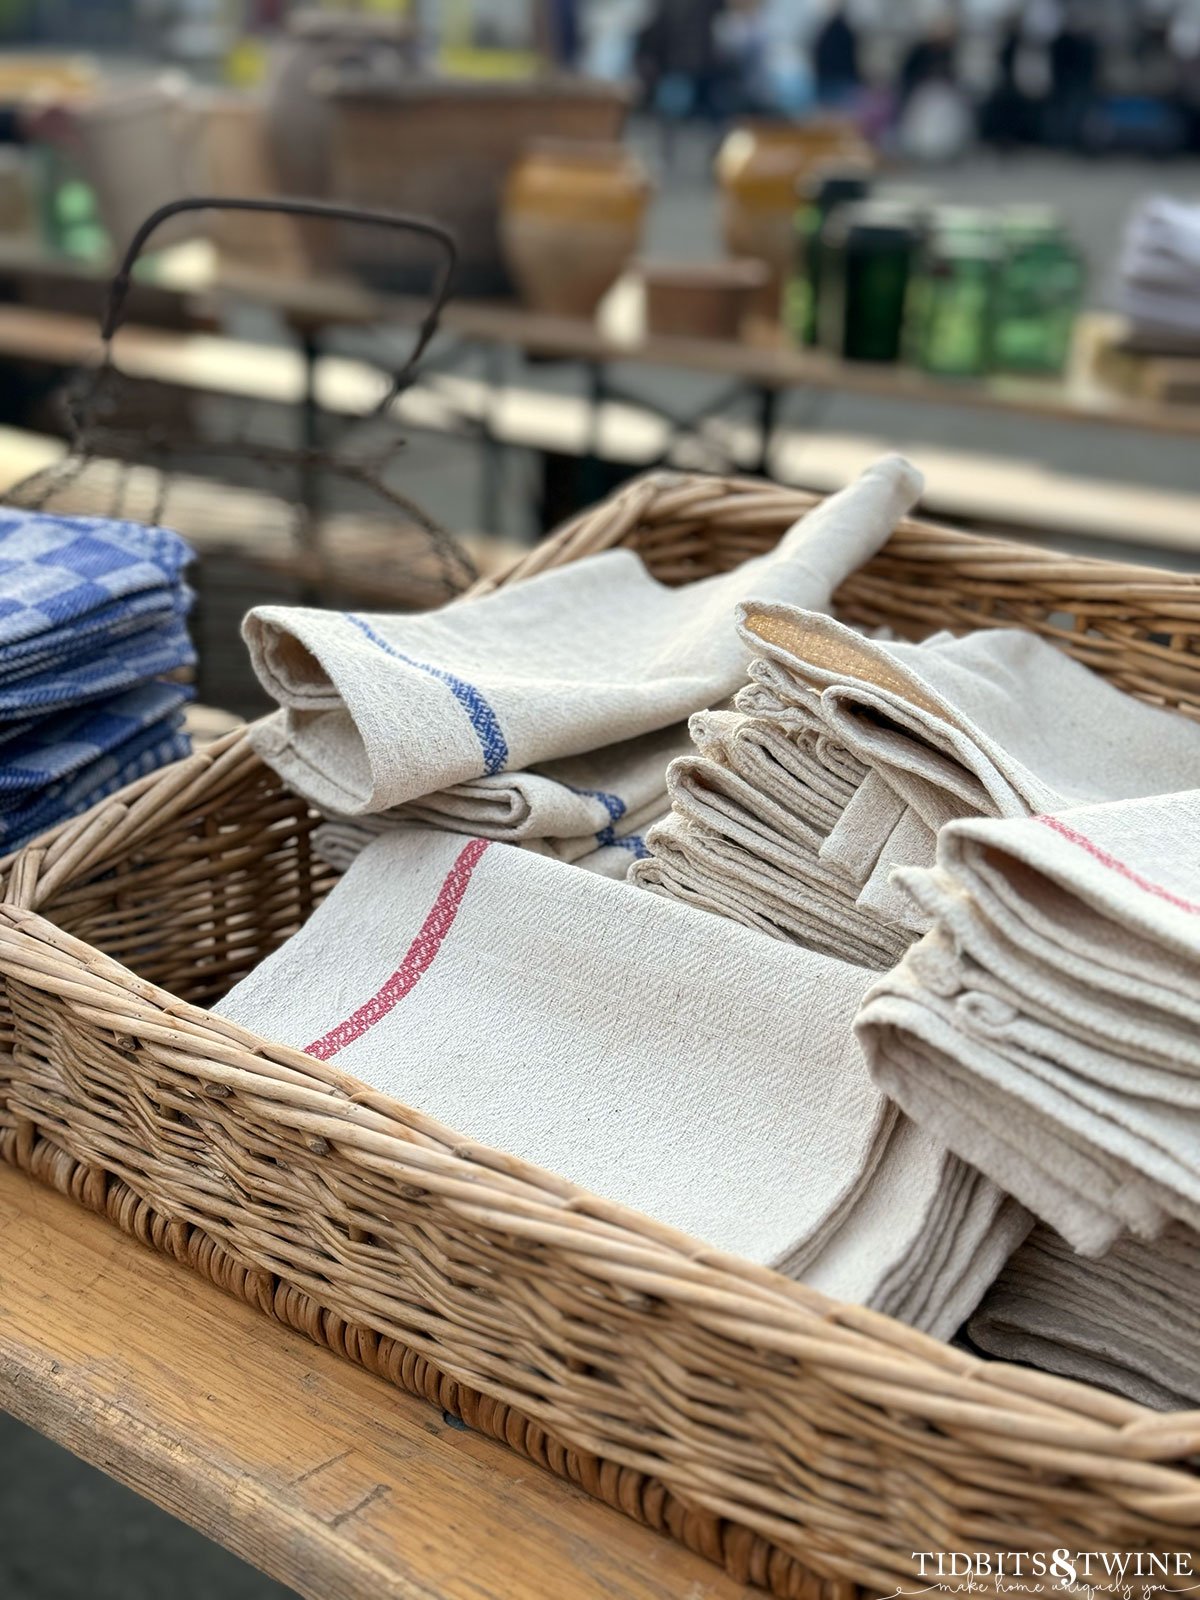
[
  {"x": 1047, "y": 1026},
  {"x": 664, "y": 1059},
  {"x": 1129, "y": 1322},
  {"x": 380, "y": 711}
]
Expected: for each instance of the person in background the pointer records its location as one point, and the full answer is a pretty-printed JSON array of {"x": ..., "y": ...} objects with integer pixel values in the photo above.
[
  {"x": 679, "y": 64},
  {"x": 743, "y": 54},
  {"x": 936, "y": 119},
  {"x": 835, "y": 59},
  {"x": 1074, "y": 76}
]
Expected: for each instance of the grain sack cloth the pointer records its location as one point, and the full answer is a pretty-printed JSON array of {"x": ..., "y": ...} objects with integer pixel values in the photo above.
[
  {"x": 592, "y": 810},
  {"x": 1048, "y": 1025},
  {"x": 1128, "y": 1322},
  {"x": 778, "y": 825},
  {"x": 379, "y": 711},
  {"x": 665, "y": 1060},
  {"x": 996, "y": 723}
]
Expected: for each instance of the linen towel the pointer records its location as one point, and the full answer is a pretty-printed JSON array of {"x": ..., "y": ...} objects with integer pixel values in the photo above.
[
  {"x": 382, "y": 711},
  {"x": 717, "y": 873},
  {"x": 1128, "y": 1322},
  {"x": 1046, "y": 1026},
  {"x": 1000, "y": 720},
  {"x": 663, "y": 1059},
  {"x": 666, "y": 1060},
  {"x": 107, "y": 669}
]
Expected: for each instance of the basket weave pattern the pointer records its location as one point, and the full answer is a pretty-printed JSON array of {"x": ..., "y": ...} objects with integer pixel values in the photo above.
[{"x": 808, "y": 1446}]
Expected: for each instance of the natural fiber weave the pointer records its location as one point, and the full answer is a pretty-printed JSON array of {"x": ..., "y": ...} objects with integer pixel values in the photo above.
[{"x": 811, "y": 1447}]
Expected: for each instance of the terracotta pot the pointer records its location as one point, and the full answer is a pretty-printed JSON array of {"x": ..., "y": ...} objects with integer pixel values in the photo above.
[
  {"x": 758, "y": 168},
  {"x": 444, "y": 149},
  {"x": 700, "y": 300},
  {"x": 571, "y": 221}
]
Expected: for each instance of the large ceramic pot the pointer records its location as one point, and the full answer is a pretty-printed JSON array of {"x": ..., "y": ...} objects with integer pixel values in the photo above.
[
  {"x": 571, "y": 221},
  {"x": 444, "y": 149},
  {"x": 758, "y": 167}
]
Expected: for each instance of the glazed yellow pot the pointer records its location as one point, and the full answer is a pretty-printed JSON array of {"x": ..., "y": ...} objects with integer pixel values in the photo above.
[
  {"x": 758, "y": 168},
  {"x": 571, "y": 221}
]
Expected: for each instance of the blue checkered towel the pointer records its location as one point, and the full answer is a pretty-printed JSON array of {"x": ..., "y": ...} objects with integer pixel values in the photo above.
[
  {"x": 60, "y": 574},
  {"x": 57, "y": 747},
  {"x": 119, "y": 665},
  {"x": 144, "y": 752}
]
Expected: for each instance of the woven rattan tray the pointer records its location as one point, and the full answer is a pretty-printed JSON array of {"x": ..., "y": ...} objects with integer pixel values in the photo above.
[{"x": 810, "y": 1447}]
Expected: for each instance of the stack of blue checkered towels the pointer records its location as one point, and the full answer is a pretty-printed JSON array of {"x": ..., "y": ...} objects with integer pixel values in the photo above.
[{"x": 92, "y": 623}]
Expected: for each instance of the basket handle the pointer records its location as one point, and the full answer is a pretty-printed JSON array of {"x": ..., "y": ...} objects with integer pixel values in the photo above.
[{"x": 320, "y": 210}]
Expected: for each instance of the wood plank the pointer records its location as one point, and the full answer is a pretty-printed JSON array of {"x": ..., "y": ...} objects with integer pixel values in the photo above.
[{"x": 328, "y": 1479}]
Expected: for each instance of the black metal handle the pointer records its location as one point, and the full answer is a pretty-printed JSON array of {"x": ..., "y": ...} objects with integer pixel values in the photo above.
[{"x": 320, "y": 210}]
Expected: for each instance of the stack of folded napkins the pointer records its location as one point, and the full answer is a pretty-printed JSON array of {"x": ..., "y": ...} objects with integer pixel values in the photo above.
[
  {"x": 1129, "y": 1322},
  {"x": 1048, "y": 1025},
  {"x": 666, "y": 1061},
  {"x": 1158, "y": 286},
  {"x": 92, "y": 626},
  {"x": 544, "y": 714},
  {"x": 846, "y": 755}
]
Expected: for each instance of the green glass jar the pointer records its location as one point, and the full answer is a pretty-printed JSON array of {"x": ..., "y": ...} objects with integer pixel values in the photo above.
[
  {"x": 819, "y": 196},
  {"x": 867, "y": 256},
  {"x": 1039, "y": 293},
  {"x": 952, "y": 302}
]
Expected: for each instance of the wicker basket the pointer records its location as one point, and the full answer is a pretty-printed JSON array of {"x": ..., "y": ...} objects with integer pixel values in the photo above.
[{"x": 808, "y": 1446}]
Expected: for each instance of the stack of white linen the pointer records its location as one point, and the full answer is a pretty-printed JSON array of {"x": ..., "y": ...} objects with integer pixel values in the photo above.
[
  {"x": 1129, "y": 1322},
  {"x": 846, "y": 755},
  {"x": 1048, "y": 1026}
]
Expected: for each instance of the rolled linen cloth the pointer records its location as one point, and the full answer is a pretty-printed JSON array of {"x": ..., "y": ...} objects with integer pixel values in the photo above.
[
  {"x": 1128, "y": 1322},
  {"x": 1046, "y": 1026},
  {"x": 382, "y": 710},
  {"x": 1000, "y": 721},
  {"x": 608, "y": 852},
  {"x": 573, "y": 800},
  {"x": 668, "y": 1061}
]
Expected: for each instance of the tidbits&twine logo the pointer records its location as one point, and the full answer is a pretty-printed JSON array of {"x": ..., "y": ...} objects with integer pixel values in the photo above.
[{"x": 1125, "y": 1575}]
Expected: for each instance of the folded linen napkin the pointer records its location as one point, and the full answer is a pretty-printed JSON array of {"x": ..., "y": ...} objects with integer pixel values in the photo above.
[
  {"x": 1046, "y": 1026},
  {"x": 108, "y": 668},
  {"x": 386, "y": 710},
  {"x": 926, "y": 1240},
  {"x": 1128, "y": 1322},
  {"x": 45, "y": 752},
  {"x": 999, "y": 721}
]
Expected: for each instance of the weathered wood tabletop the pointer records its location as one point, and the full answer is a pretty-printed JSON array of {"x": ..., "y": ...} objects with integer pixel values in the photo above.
[{"x": 326, "y": 1478}]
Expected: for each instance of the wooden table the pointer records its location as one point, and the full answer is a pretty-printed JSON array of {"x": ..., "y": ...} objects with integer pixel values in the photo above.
[{"x": 328, "y": 1479}]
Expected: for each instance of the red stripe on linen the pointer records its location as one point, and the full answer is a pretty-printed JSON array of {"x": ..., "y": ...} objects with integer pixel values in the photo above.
[
  {"x": 421, "y": 955},
  {"x": 1115, "y": 865}
]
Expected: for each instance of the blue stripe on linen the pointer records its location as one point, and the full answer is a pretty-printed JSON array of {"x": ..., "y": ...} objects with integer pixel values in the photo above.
[{"x": 483, "y": 718}]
